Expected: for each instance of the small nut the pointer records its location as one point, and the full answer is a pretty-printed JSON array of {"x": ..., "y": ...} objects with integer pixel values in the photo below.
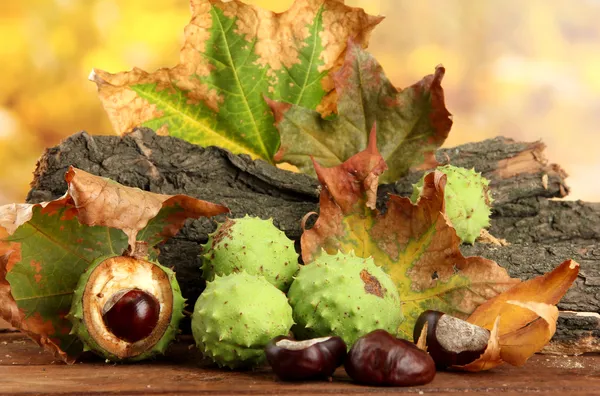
[
  {"x": 293, "y": 360},
  {"x": 451, "y": 341},
  {"x": 131, "y": 315},
  {"x": 379, "y": 358}
]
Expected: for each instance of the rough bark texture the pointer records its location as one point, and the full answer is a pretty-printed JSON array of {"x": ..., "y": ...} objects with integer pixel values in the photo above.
[
  {"x": 542, "y": 232},
  {"x": 171, "y": 166},
  {"x": 532, "y": 259}
]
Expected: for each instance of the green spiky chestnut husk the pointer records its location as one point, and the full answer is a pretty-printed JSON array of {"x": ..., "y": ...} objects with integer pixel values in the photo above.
[
  {"x": 467, "y": 198},
  {"x": 343, "y": 295},
  {"x": 105, "y": 278},
  {"x": 236, "y": 316},
  {"x": 252, "y": 245}
]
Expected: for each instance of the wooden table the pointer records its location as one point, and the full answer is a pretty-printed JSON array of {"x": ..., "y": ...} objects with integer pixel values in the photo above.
[{"x": 27, "y": 370}]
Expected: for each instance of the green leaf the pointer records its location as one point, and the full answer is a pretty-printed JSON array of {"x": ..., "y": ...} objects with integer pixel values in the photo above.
[
  {"x": 414, "y": 244},
  {"x": 234, "y": 54},
  {"x": 55, "y": 249},
  {"x": 45, "y": 248},
  {"x": 411, "y": 123}
]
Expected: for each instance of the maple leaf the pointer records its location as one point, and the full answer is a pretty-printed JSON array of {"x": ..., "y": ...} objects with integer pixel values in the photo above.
[
  {"x": 48, "y": 246},
  {"x": 414, "y": 244},
  {"x": 411, "y": 123},
  {"x": 233, "y": 54}
]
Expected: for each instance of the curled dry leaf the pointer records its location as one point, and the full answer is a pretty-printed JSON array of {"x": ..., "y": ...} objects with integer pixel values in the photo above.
[
  {"x": 526, "y": 315},
  {"x": 548, "y": 288},
  {"x": 101, "y": 201},
  {"x": 414, "y": 244},
  {"x": 412, "y": 123},
  {"x": 519, "y": 345},
  {"x": 491, "y": 357},
  {"x": 47, "y": 247},
  {"x": 422, "y": 341},
  {"x": 235, "y": 53}
]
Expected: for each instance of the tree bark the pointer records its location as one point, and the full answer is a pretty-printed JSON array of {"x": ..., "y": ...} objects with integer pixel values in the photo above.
[{"x": 542, "y": 232}]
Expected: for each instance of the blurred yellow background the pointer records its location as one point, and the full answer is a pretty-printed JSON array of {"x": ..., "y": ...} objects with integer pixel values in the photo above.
[{"x": 524, "y": 69}]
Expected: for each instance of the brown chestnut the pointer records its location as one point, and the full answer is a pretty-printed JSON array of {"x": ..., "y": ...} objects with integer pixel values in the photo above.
[
  {"x": 451, "y": 341},
  {"x": 379, "y": 358},
  {"x": 293, "y": 360},
  {"x": 131, "y": 315}
]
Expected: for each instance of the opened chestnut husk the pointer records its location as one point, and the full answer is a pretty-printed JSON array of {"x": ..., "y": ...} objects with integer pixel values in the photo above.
[
  {"x": 316, "y": 358},
  {"x": 126, "y": 308}
]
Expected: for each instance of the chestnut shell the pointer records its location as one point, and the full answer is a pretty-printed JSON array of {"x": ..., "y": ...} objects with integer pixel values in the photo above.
[
  {"x": 379, "y": 358},
  {"x": 133, "y": 316},
  {"x": 442, "y": 357},
  {"x": 315, "y": 361}
]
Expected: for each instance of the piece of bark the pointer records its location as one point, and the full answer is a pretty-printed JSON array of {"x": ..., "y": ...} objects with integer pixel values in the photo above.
[
  {"x": 576, "y": 333},
  {"x": 521, "y": 181},
  {"x": 516, "y": 171},
  {"x": 169, "y": 165},
  {"x": 520, "y": 178},
  {"x": 172, "y": 166},
  {"x": 547, "y": 221},
  {"x": 533, "y": 259},
  {"x": 578, "y": 328}
]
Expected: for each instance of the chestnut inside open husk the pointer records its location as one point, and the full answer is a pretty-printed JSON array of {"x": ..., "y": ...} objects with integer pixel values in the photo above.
[
  {"x": 451, "y": 341},
  {"x": 126, "y": 308},
  {"x": 131, "y": 315},
  {"x": 379, "y": 358},
  {"x": 317, "y": 358}
]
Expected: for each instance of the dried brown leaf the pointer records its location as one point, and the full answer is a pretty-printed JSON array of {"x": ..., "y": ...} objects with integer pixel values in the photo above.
[
  {"x": 548, "y": 288},
  {"x": 414, "y": 244},
  {"x": 520, "y": 345},
  {"x": 491, "y": 357},
  {"x": 101, "y": 201}
]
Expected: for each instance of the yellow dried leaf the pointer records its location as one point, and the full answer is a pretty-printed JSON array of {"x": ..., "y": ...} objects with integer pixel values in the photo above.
[
  {"x": 491, "y": 357},
  {"x": 518, "y": 346},
  {"x": 548, "y": 288}
]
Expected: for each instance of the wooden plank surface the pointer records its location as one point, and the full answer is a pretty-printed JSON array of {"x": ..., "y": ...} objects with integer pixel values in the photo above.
[{"x": 26, "y": 370}]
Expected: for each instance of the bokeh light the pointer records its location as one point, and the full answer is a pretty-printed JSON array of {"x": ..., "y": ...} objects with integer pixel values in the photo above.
[{"x": 523, "y": 69}]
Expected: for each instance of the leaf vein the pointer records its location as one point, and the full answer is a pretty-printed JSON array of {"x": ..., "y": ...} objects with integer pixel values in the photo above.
[{"x": 265, "y": 153}]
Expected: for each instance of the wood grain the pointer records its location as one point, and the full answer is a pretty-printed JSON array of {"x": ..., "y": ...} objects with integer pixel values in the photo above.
[{"x": 25, "y": 370}]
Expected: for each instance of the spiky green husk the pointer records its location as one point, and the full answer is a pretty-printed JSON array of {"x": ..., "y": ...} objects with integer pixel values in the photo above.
[
  {"x": 236, "y": 316},
  {"x": 252, "y": 245},
  {"x": 343, "y": 295},
  {"x": 90, "y": 344},
  {"x": 468, "y": 201}
]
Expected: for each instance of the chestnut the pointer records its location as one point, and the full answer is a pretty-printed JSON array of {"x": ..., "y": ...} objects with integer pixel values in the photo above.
[
  {"x": 317, "y": 358},
  {"x": 451, "y": 341},
  {"x": 131, "y": 315},
  {"x": 379, "y": 358}
]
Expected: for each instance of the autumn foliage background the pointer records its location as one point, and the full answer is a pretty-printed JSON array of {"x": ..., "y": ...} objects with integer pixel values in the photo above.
[{"x": 523, "y": 69}]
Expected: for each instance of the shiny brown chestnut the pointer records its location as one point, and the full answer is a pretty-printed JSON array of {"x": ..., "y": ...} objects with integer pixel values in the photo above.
[
  {"x": 317, "y": 358},
  {"x": 379, "y": 358},
  {"x": 131, "y": 315},
  {"x": 451, "y": 341}
]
